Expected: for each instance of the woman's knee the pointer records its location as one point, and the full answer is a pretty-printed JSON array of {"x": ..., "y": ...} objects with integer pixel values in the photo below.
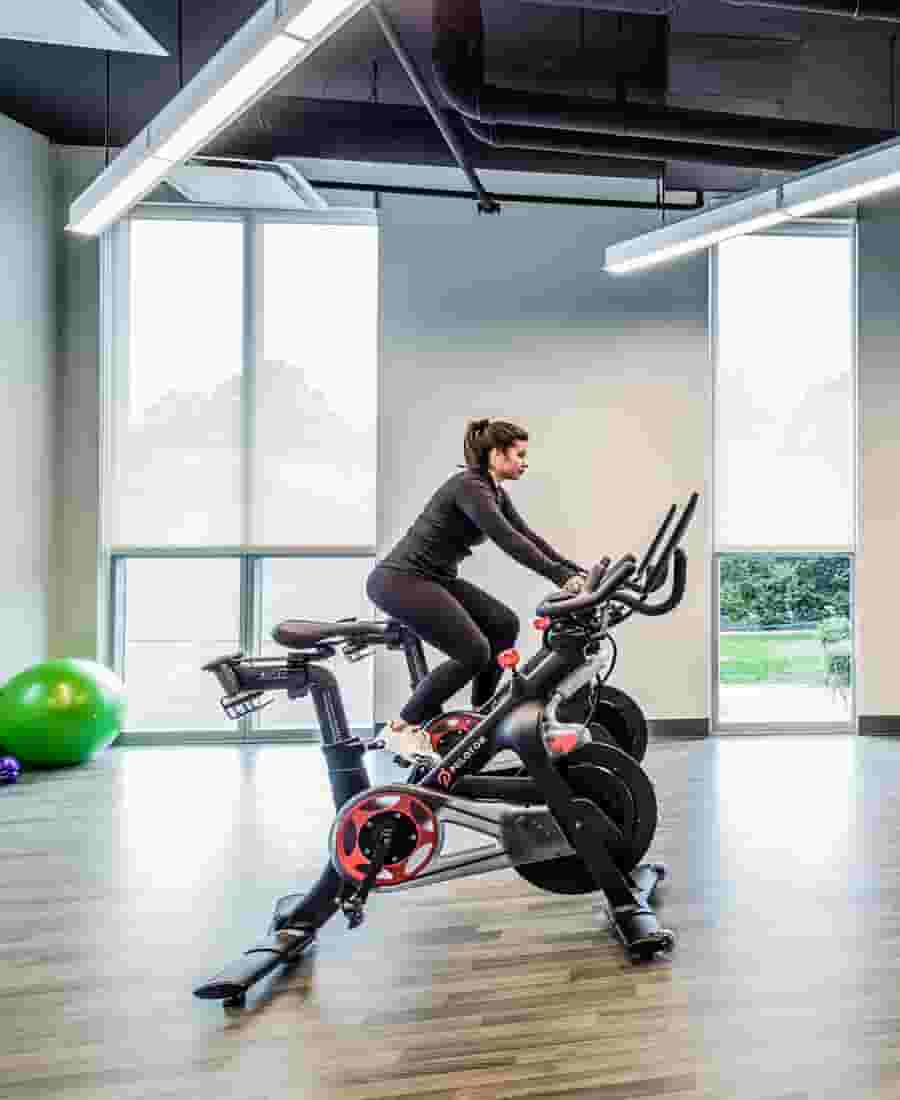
[
  {"x": 507, "y": 631},
  {"x": 479, "y": 654}
]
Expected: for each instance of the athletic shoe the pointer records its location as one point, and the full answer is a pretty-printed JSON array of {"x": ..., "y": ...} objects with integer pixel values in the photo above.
[{"x": 408, "y": 741}]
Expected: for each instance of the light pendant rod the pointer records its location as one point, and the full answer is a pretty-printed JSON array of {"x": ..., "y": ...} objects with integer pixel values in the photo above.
[
  {"x": 860, "y": 175},
  {"x": 273, "y": 41}
]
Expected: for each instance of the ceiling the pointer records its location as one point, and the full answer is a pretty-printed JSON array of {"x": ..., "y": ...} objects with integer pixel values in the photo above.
[
  {"x": 353, "y": 101},
  {"x": 96, "y": 24}
]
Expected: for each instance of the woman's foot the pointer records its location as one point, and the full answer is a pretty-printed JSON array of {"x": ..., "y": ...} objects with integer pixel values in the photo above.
[{"x": 408, "y": 740}]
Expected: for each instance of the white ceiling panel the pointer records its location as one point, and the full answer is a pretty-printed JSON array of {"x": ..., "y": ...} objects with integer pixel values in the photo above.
[
  {"x": 95, "y": 24},
  {"x": 236, "y": 187}
]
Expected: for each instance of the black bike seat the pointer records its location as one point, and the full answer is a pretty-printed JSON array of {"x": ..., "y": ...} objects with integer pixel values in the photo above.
[{"x": 301, "y": 633}]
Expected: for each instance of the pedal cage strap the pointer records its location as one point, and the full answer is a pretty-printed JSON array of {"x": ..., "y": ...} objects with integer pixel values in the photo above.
[{"x": 352, "y": 906}]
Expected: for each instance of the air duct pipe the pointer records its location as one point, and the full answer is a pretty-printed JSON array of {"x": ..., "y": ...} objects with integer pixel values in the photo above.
[
  {"x": 458, "y": 63},
  {"x": 532, "y": 139}
]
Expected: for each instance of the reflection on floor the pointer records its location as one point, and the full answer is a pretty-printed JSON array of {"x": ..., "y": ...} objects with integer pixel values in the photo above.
[
  {"x": 126, "y": 882},
  {"x": 753, "y": 703}
]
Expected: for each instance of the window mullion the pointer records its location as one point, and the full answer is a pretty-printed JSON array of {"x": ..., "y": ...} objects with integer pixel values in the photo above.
[
  {"x": 252, "y": 306},
  {"x": 118, "y": 614},
  {"x": 251, "y": 622}
]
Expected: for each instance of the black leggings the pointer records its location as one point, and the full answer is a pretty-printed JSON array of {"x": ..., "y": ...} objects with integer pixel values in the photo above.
[{"x": 455, "y": 617}]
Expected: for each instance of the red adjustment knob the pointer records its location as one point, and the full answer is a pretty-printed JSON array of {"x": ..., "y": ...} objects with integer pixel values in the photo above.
[
  {"x": 561, "y": 743},
  {"x": 509, "y": 658},
  {"x": 542, "y": 623}
]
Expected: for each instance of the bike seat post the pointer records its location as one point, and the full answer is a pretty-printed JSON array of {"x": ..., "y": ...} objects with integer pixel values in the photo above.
[{"x": 399, "y": 636}]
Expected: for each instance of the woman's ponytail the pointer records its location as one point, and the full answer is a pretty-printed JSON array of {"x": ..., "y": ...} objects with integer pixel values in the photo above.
[{"x": 483, "y": 435}]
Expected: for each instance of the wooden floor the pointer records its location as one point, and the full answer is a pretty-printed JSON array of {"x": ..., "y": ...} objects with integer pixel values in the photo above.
[{"x": 126, "y": 882}]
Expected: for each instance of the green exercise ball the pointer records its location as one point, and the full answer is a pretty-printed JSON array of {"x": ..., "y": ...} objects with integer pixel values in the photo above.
[{"x": 61, "y": 712}]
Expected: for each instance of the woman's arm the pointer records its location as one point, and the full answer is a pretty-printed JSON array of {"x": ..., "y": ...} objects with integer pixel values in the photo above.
[
  {"x": 522, "y": 527},
  {"x": 477, "y": 500}
]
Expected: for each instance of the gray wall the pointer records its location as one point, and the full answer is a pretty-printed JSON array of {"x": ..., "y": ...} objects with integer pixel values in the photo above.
[
  {"x": 879, "y": 448},
  {"x": 512, "y": 317},
  {"x": 26, "y": 393},
  {"x": 74, "y": 622}
]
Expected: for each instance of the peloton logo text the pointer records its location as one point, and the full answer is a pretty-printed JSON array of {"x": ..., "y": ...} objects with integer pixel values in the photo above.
[{"x": 445, "y": 775}]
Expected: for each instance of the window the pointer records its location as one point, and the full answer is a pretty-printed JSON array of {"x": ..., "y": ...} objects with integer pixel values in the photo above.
[
  {"x": 320, "y": 588},
  {"x": 176, "y": 614},
  {"x": 176, "y": 423},
  {"x": 784, "y": 330},
  {"x": 239, "y": 435},
  {"x": 315, "y": 395}
]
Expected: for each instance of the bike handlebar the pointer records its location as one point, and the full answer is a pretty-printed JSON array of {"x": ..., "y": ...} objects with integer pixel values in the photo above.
[
  {"x": 679, "y": 583},
  {"x": 609, "y": 581},
  {"x": 624, "y": 582}
]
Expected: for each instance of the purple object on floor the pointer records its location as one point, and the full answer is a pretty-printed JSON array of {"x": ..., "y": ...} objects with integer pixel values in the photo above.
[{"x": 10, "y": 769}]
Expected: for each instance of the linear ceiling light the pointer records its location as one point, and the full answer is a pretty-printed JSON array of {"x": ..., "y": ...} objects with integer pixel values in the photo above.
[
  {"x": 270, "y": 44},
  {"x": 692, "y": 234},
  {"x": 842, "y": 181}
]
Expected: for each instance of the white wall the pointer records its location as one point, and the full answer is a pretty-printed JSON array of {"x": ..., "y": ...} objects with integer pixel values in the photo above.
[
  {"x": 74, "y": 627},
  {"x": 512, "y": 317},
  {"x": 26, "y": 393},
  {"x": 877, "y": 610}
]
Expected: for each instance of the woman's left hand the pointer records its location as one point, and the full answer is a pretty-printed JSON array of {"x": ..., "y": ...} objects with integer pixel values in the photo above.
[{"x": 574, "y": 584}]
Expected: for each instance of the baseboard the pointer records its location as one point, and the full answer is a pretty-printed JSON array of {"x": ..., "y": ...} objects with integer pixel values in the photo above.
[
  {"x": 681, "y": 729},
  {"x": 879, "y": 725}
]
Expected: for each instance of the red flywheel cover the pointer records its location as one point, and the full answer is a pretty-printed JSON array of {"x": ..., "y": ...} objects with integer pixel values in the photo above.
[{"x": 421, "y": 834}]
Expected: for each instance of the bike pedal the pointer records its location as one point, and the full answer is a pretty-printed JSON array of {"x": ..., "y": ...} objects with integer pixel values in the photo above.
[{"x": 292, "y": 936}]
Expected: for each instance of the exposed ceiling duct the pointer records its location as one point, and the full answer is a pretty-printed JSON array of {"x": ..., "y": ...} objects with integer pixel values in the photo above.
[
  {"x": 883, "y": 11},
  {"x": 606, "y": 145},
  {"x": 458, "y": 64}
]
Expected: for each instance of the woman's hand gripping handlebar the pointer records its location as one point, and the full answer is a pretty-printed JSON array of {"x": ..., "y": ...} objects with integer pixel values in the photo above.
[
  {"x": 600, "y": 584},
  {"x": 609, "y": 584}
]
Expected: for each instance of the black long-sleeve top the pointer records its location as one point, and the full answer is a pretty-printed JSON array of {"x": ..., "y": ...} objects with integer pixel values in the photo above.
[{"x": 467, "y": 509}]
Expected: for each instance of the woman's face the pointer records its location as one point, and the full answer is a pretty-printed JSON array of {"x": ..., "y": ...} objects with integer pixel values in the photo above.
[{"x": 509, "y": 464}]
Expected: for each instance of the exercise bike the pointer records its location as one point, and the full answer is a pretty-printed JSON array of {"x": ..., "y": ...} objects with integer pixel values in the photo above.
[
  {"x": 576, "y": 818},
  {"x": 610, "y": 714}
]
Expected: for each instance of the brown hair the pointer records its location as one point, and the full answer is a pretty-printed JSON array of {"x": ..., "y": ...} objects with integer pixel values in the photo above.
[{"x": 483, "y": 435}]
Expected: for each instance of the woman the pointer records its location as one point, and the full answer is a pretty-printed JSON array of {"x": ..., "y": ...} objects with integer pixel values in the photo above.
[{"x": 417, "y": 582}]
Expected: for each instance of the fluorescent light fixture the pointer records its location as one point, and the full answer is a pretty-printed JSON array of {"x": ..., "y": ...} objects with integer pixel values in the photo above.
[
  {"x": 840, "y": 182},
  {"x": 847, "y": 180},
  {"x": 265, "y": 48},
  {"x": 136, "y": 173},
  {"x": 315, "y": 17},
  {"x": 144, "y": 178},
  {"x": 758, "y": 210},
  {"x": 275, "y": 57}
]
